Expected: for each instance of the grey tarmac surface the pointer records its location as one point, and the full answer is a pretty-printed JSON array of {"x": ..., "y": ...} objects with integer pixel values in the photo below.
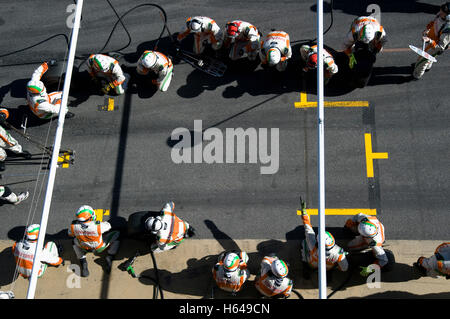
[{"x": 123, "y": 158}]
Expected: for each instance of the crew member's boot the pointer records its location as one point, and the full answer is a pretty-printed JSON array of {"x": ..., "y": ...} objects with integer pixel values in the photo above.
[
  {"x": 84, "y": 267},
  {"x": 21, "y": 197}
]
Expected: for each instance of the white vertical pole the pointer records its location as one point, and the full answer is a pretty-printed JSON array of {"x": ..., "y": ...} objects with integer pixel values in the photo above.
[
  {"x": 321, "y": 153},
  {"x": 55, "y": 155}
]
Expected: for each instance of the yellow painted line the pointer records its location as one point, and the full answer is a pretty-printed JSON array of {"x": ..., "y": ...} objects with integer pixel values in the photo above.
[
  {"x": 341, "y": 211},
  {"x": 370, "y": 156},
  {"x": 304, "y": 103},
  {"x": 100, "y": 213},
  {"x": 110, "y": 104}
]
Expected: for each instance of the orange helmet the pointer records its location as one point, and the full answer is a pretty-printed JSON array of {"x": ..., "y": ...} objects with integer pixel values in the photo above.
[{"x": 6, "y": 112}]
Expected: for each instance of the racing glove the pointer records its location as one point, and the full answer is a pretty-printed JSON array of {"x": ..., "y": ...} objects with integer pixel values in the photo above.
[
  {"x": 352, "y": 61},
  {"x": 107, "y": 87},
  {"x": 366, "y": 271},
  {"x": 303, "y": 206}
]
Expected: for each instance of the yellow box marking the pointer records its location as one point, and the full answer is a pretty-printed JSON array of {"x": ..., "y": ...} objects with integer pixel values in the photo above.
[
  {"x": 370, "y": 156},
  {"x": 64, "y": 159},
  {"x": 341, "y": 211},
  {"x": 110, "y": 104},
  {"x": 304, "y": 103},
  {"x": 100, "y": 213}
]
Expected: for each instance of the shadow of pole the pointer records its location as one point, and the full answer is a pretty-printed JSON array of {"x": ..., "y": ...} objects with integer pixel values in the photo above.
[{"x": 118, "y": 174}]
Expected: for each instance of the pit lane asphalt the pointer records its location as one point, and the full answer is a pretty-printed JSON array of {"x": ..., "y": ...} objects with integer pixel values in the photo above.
[{"x": 123, "y": 158}]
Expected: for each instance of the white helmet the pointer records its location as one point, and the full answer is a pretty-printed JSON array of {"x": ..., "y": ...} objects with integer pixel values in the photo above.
[
  {"x": 367, "y": 33},
  {"x": 273, "y": 56},
  {"x": 329, "y": 241},
  {"x": 153, "y": 224},
  {"x": 33, "y": 232},
  {"x": 149, "y": 59},
  {"x": 85, "y": 213},
  {"x": 279, "y": 268},
  {"x": 195, "y": 25},
  {"x": 367, "y": 229},
  {"x": 231, "y": 262},
  {"x": 99, "y": 62},
  {"x": 35, "y": 87}
]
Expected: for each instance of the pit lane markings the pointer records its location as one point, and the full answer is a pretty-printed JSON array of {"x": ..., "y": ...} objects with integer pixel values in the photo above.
[
  {"x": 370, "y": 156},
  {"x": 341, "y": 211},
  {"x": 109, "y": 107},
  {"x": 64, "y": 159},
  {"x": 304, "y": 103},
  {"x": 100, "y": 213}
]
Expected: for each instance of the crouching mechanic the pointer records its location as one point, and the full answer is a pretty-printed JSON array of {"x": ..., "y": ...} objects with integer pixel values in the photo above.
[
  {"x": 230, "y": 272},
  {"x": 368, "y": 31},
  {"x": 24, "y": 252},
  {"x": 272, "y": 280},
  {"x": 437, "y": 37},
  {"x": 43, "y": 105},
  {"x": 205, "y": 31},
  {"x": 158, "y": 64},
  {"x": 107, "y": 72},
  {"x": 168, "y": 228},
  {"x": 309, "y": 57},
  {"x": 335, "y": 255},
  {"x": 91, "y": 235},
  {"x": 276, "y": 50},
  {"x": 370, "y": 234},
  {"x": 7, "y": 142},
  {"x": 436, "y": 265},
  {"x": 242, "y": 39}
]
